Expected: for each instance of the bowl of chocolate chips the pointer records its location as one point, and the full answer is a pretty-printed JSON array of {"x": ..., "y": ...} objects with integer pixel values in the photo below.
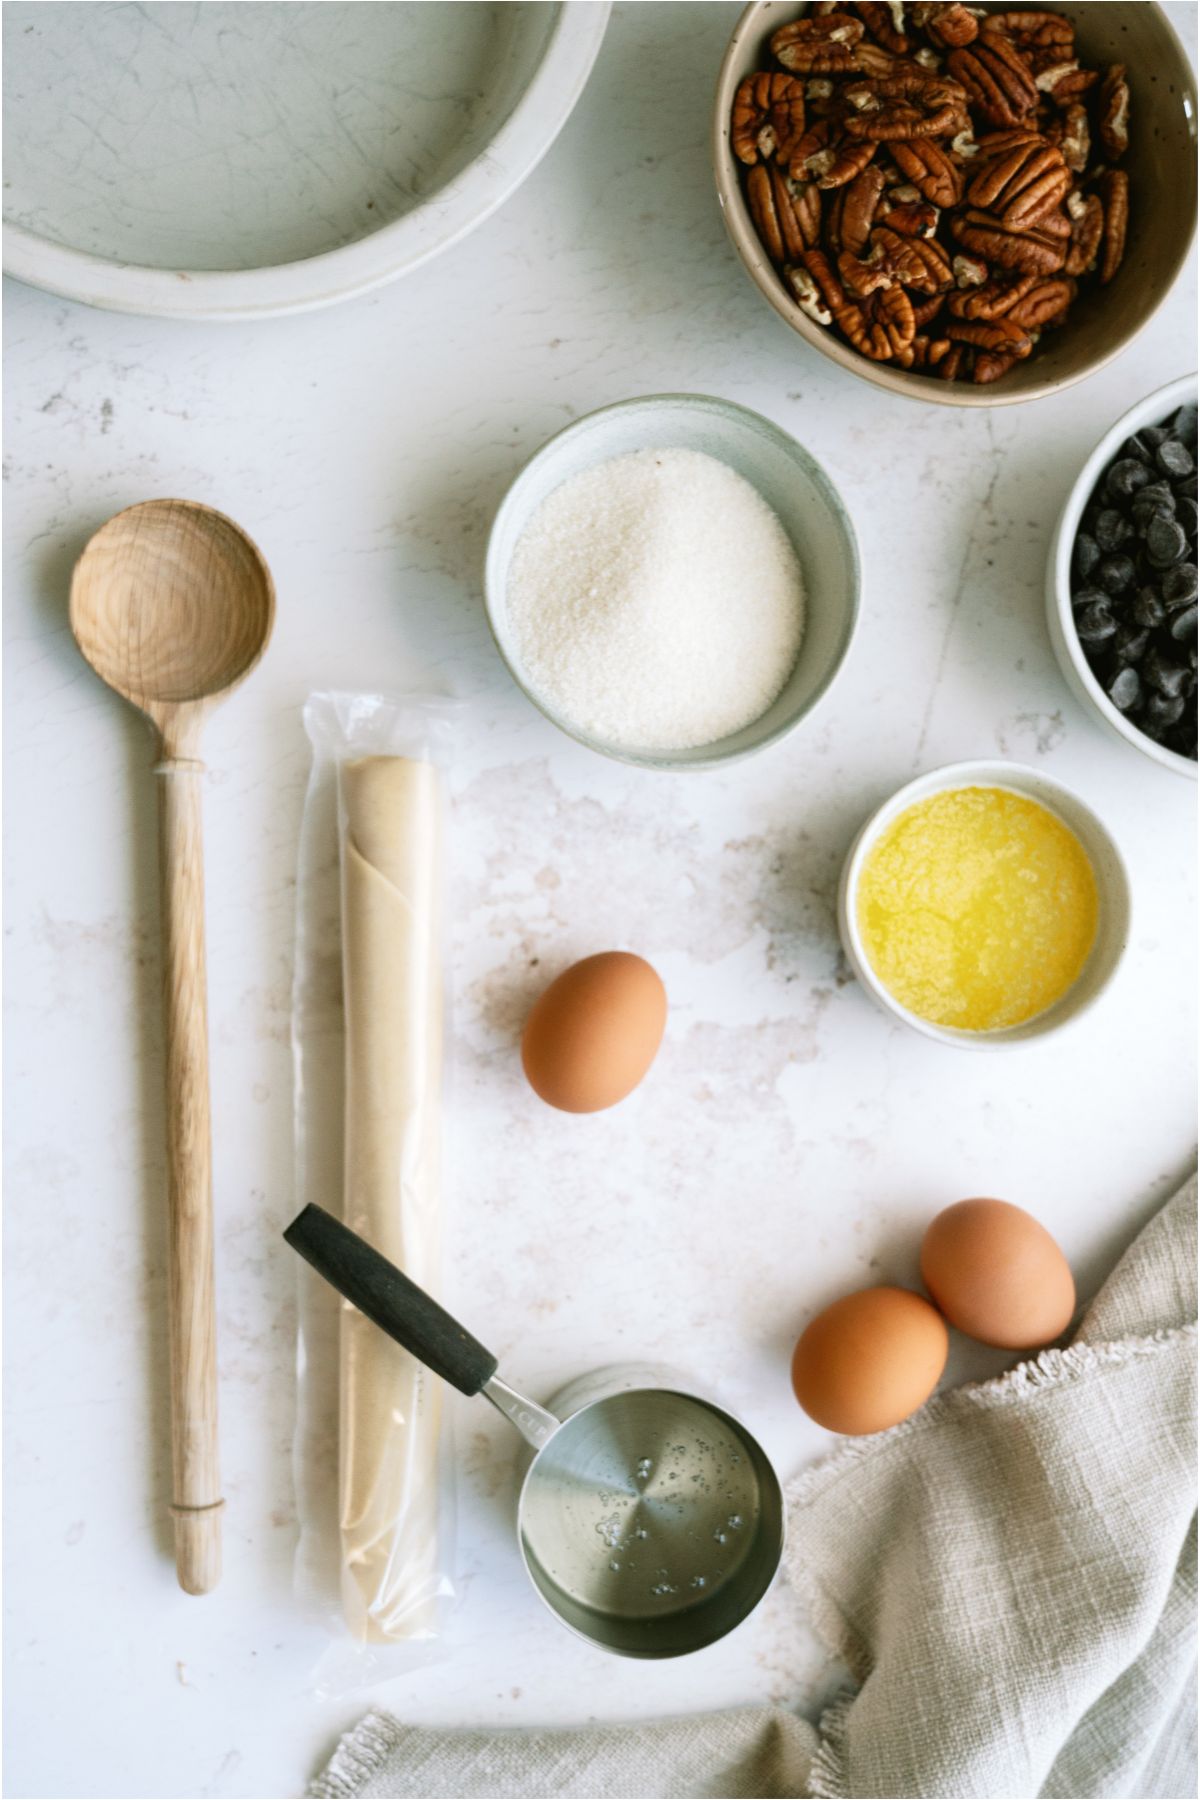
[
  {"x": 972, "y": 204},
  {"x": 1121, "y": 580}
]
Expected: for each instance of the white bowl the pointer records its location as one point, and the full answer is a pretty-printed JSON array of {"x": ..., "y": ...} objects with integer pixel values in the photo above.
[
  {"x": 1112, "y": 886},
  {"x": 802, "y": 496},
  {"x": 1063, "y": 636},
  {"x": 233, "y": 162}
]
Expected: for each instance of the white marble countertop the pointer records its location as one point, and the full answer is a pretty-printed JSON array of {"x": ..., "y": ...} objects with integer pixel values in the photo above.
[{"x": 790, "y": 1143}]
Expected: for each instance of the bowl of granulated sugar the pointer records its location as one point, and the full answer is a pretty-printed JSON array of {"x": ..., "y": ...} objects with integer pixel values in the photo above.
[{"x": 673, "y": 581}]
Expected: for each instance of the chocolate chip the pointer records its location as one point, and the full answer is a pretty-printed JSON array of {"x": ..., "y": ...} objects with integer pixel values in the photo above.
[
  {"x": 1112, "y": 529},
  {"x": 1185, "y": 512},
  {"x": 1134, "y": 446},
  {"x": 1166, "y": 542},
  {"x": 1155, "y": 496},
  {"x": 1094, "y": 623},
  {"x": 1125, "y": 690},
  {"x": 1088, "y": 596},
  {"x": 1174, "y": 459},
  {"x": 1086, "y": 556},
  {"x": 1148, "y": 608},
  {"x": 1162, "y": 711},
  {"x": 1129, "y": 644},
  {"x": 1127, "y": 476},
  {"x": 1184, "y": 423},
  {"x": 1167, "y": 677},
  {"x": 1183, "y": 625},
  {"x": 1154, "y": 435},
  {"x": 1114, "y": 574},
  {"x": 1179, "y": 585}
]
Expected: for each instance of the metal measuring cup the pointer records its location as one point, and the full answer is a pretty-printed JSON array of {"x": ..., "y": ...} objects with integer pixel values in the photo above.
[{"x": 650, "y": 1521}]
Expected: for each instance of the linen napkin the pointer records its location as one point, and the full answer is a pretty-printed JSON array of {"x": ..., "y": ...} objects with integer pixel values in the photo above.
[{"x": 1010, "y": 1576}]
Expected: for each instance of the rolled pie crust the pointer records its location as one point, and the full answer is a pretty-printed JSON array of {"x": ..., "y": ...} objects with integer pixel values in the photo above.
[{"x": 390, "y": 810}]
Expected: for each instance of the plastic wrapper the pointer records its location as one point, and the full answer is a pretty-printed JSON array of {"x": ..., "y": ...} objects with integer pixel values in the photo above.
[{"x": 373, "y": 1465}]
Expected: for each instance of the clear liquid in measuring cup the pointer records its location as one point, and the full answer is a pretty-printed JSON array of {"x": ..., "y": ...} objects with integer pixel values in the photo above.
[{"x": 648, "y": 1505}]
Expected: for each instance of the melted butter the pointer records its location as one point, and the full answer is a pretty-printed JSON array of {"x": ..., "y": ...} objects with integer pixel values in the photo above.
[{"x": 977, "y": 908}]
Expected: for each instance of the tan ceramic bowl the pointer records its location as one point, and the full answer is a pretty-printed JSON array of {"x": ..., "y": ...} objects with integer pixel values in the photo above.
[{"x": 1161, "y": 161}]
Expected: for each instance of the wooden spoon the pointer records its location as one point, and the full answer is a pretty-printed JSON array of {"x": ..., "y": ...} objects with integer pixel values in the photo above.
[{"x": 172, "y": 605}]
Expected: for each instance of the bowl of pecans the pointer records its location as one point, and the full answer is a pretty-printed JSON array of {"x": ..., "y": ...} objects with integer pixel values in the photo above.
[{"x": 968, "y": 204}]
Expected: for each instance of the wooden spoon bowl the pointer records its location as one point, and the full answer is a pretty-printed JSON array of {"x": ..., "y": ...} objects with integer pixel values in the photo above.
[{"x": 171, "y": 604}]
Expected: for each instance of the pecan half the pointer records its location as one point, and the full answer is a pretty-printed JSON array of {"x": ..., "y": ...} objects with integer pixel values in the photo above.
[
  {"x": 925, "y": 352},
  {"x": 879, "y": 19},
  {"x": 904, "y": 107},
  {"x": 991, "y": 334},
  {"x": 1073, "y": 136},
  {"x": 1054, "y": 74},
  {"x": 818, "y": 46},
  {"x": 1022, "y": 183},
  {"x": 996, "y": 77},
  {"x": 999, "y": 143},
  {"x": 774, "y": 213},
  {"x": 953, "y": 25},
  {"x": 1032, "y": 30},
  {"x": 879, "y": 326},
  {"x": 956, "y": 362},
  {"x": 990, "y": 365},
  {"x": 862, "y": 276},
  {"x": 879, "y": 63},
  {"x": 806, "y": 205},
  {"x": 823, "y": 155},
  {"x": 1087, "y": 229},
  {"x": 1112, "y": 106},
  {"x": 807, "y": 295},
  {"x": 1113, "y": 189},
  {"x": 767, "y": 118},
  {"x": 853, "y": 211},
  {"x": 1044, "y": 305},
  {"x": 820, "y": 98},
  {"x": 1071, "y": 84},
  {"x": 993, "y": 299},
  {"x": 873, "y": 59},
  {"x": 911, "y": 218},
  {"x": 917, "y": 262},
  {"x": 926, "y": 311},
  {"x": 928, "y": 166},
  {"x": 969, "y": 271},
  {"x": 1037, "y": 249}
]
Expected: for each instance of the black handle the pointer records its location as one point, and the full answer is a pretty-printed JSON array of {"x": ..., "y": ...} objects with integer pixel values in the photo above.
[{"x": 393, "y": 1302}]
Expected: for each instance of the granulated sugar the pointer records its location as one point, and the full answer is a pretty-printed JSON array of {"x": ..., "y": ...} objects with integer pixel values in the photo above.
[{"x": 657, "y": 601}]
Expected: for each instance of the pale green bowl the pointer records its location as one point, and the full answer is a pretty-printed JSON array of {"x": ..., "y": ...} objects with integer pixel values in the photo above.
[{"x": 801, "y": 494}]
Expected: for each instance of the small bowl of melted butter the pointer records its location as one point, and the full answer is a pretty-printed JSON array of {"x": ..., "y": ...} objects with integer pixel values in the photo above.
[{"x": 984, "y": 905}]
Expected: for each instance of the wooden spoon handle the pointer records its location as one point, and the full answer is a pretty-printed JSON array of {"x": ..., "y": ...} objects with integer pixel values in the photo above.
[{"x": 192, "y": 1312}]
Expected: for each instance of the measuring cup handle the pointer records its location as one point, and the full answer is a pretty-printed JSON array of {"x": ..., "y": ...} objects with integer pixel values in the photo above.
[{"x": 388, "y": 1298}]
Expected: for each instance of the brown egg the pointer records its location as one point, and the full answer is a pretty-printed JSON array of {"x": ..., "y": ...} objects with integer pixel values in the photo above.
[
  {"x": 869, "y": 1360},
  {"x": 595, "y": 1031},
  {"x": 998, "y": 1275}
]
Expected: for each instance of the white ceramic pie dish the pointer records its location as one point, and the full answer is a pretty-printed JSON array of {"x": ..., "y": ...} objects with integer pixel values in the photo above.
[{"x": 225, "y": 161}]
